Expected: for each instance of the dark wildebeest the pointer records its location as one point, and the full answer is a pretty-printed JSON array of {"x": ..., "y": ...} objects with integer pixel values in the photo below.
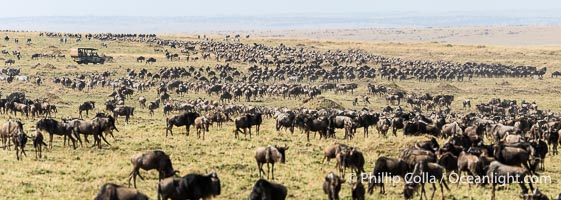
[
  {"x": 386, "y": 167},
  {"x": 140, "y": 59},
  {"x": 184, "y": 119},
  {"x": 357, "y": 191},
  {"x": 110, "y": 191},
  {"x": 86, "y": 106},
  {"x": 9, "y": 130},
  {"x": 192, "y": 186},
  {"x": 367, "y": 119},
  {"x": 429, "y": 145},
  {"x": 285, "y": 120},
  {"x": 412, "y": 156},
  {"x": 150, "y": 60},
  {"x": 538, "y": 195},
  {"x": 151, "y": 160},
  {"x": 541, "y": 150},
  {"x": 126, "y": 111},
  {"x": 466, "y": 103},
  {"x": 313, "y": 124},
  {"x": 346, "y": 122},
  {"x": 153, "y": 106},
  {"x": 265, "y": 190},
  {"x": 515, "y": 156},
  {"x": 272, "y": 155},
  {"x": 350, "y": 158},
  {"x": 383, "y": 125},
  {"x": 38, "y": 143},
  {"x": 499, "y": 173},
  {"x": 97, "y": 126},
  {"x": 54, "y": 127},
  {"x": 225, "y": 96},
  {"x": 332, "y": 186},
  {"x": 20, "y": 140},
  {"x": 397, "y": 123},
  {"x": 429, "y": 171},
  {"x": 247, "y": 121},
  {"x": 167, "y": 188}
]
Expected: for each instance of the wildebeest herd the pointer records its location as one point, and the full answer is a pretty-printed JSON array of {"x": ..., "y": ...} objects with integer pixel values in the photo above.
[{"x": 497, "y": 138}]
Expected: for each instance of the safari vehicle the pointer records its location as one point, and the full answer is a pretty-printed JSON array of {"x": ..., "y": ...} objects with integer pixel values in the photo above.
[{"x": 86, "y": 55}]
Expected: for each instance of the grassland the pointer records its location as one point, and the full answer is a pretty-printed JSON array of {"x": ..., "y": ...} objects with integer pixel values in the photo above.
[{"x": 77, "y": 174}]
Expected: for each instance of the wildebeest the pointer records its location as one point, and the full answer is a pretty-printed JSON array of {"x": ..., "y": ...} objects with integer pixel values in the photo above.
[
  {"x": 126, "y": 111},
  {"x": 515, "y": 156},
  {"x": 153, "y": 106},
  {"x": 332, "y": 186},
  {"x": 202, "y": 124},
  {"x": 331, "y": 151},
  {"x": 142, "y": 102},
  {"x": 265, "y": 190},
  {"x": 97, "y": 126},
  {"x": 184, "y": 119},
  {"x": 10, "y": 129},
  {"x": 150, "y": 60},
  {"x": 383, "y": 126},
  {"x": 54, "y": 127},
  {"x": 20, "y": 140},
  {"x": 167, "y": 188},
  {"x": 86, "y": 106},
  {"x": 346, "y": 122},
  {"x": 247, "y": 121},
  {"x": 110, "y": 191},
  {"x": 191, "y": 186},
  {"x": 269, "y": 155},
  {"x": 357, "y": 190},
  {"x": 309, "y": 123},
  {"x": 158, "y": 160},
  {"x": 383, "y": 167},
  {"x": 285, "y": 120},
  {"x": 431, "y": 173},
  {"x": 541, "y": 150},
  {"x": 471, "y": 164},
  {"x": 499, "y": 173},
  {"x": 350, "y": 158},
  {"x": 140, "y": 59},
  {"x": 38, "y": 143}
]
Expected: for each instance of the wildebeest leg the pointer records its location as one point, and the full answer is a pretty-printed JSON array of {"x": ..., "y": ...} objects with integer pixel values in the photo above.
[
  {"x": 133, "y": 175},
  {"x": 17, "y": 152},
  {"x": 493, "y": 191},
  {"x": 260, "y": 169},
  {"x": 273, "y": 171},
  {"x": 187, "y": 129},
  {"x": 51, "y": 141},
  {"x": 249, "y": 132},
  {"x": 102, "y": 137},
  {"x": 433, "y": 190}
]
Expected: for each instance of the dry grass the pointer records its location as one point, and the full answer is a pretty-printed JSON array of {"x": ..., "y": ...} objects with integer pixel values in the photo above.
[{"x": 77, "y": 174}]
